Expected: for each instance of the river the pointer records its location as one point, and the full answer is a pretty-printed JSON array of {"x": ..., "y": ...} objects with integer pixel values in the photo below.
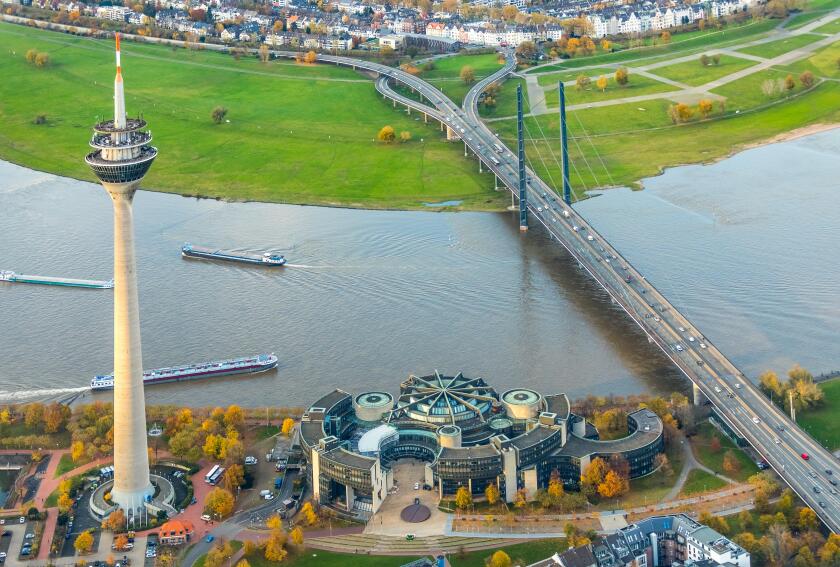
[{"x": 743, "y": 246}]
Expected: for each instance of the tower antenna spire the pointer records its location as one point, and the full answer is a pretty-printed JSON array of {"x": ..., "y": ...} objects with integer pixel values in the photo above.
[{"x": 119, "y": 95}]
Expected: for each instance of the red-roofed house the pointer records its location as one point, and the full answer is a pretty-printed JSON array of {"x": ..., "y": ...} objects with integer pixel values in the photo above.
[{"x": 175, "y": 532}]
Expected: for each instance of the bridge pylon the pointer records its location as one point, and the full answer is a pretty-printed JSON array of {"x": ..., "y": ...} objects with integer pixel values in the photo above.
[
  {"x": 523, "y": 197},
  {"x": 567, "y": 188}
]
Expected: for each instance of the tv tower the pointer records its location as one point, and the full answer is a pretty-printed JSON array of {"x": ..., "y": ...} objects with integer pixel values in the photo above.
[{"x": 121, "y": 157}]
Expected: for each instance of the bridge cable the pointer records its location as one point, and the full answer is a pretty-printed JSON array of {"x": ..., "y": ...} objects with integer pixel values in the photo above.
[{"x": 595, "y": 149}]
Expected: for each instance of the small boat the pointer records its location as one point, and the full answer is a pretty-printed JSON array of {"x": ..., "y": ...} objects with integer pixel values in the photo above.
[
  {"x": 246, "y": 365},
  {"x": 261, "y": 259}
]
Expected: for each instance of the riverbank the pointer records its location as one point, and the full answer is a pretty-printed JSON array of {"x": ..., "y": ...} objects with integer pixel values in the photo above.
[{"x": 296, "y": 134}]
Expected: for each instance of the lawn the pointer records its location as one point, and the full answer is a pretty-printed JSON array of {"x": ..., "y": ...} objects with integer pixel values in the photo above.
[
  {"x": 66, "y": 464},
  {"x": 297, "y": 133},
  {"x": 699, "y": 481},
  {"x": 649, "y": 489},
  {"x": 693, "y": 73},
  {"x": 747, "y": 92},
  {"x": 831, "y": 27},
  {"x": 551, "y": 79},
  {"x": 236, "y": 545},
  {"x": 802, "y": 19},
  {"x": 521, "y": 553},
  {"x": 637, "y": 86},
  {"x": 773, "y": 49},
  {"x": 821, "y": 423},
  {"x": 506, "y": 100},
  {"x": 822, "y": 63},
  {"x": 447, "y": 73},
  {"x": 701, "y": 444}
]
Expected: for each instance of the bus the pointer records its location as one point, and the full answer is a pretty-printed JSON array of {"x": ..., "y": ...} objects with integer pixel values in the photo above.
[
  {"x": 216, "y": 476},
  {"x": 210, "y": 474},
  {"x": 498, "y": 149}
]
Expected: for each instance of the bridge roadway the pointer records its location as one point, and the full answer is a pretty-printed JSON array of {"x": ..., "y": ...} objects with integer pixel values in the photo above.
[{"x": 773, "y": 435}]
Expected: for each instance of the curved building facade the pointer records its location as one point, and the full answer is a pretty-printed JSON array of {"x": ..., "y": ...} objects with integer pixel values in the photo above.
[{"x": 467, "y": 434}]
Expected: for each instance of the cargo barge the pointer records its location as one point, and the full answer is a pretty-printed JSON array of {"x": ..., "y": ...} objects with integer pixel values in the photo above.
[
  {"x": 246, "y": 365},
  {"x": 263, "y": 259},
  {"x": 12, "y": 277}
]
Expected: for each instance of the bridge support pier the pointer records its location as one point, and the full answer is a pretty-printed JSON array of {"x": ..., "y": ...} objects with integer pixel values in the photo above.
[
  {"x": 408, "y": 110},
  {"x": 480, "y": 163},
  {"x": 523, "y": 195},
  {"x": 425, "y": 118},
  {"x": 465, "y": 149},
  {"x": 450, "y": 133},
  {"x": 699, "y": 397},
  {"x": 395, "y": 103}
]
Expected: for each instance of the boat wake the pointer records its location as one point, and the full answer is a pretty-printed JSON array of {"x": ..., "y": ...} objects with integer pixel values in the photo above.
[{"x": 45, "y": 393}]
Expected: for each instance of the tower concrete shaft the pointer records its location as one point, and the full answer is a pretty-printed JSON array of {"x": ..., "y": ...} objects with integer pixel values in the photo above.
[
  {"x": 131, "y": 459},
  {"x": 121, "y": 157}
]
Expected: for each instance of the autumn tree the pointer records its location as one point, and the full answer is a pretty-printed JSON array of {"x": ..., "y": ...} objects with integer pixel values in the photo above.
[
  {"x": 704, "y": 60},
  {"x": 463, "y": 498},
  {"x": 601, "y": 83},
  {"x": 789, "y": 83},
  {"x": 115, "y": 521},
  {"x": 527, "y": 50},
  {"x": 219, "y": 501},
  {"x": 611, "y": 423},
  {"x": 64, "y": 502},
  {"x": 308, "y": 514},
  {"x": 77, "y": 451},
  {"x": 234, "y": 477},
  {"x": 715, "y": 445},
  {"x": 219, "y": 555},
  {"x": 521, "y": 499},
  {"x": 492, "y": 493},
  {"x": 234, "y": 417},
  {"x": 405, "y": 136},
  {"x": 622, "y": 76},
  {"x": 218, "y": 115},
  {"x": 605, "y": 44},
  {"x": 243, "y": 563},
  {"x": 386, "y": 134},
  {"x": 121, "y": 542},
  {"x": 33, "y": 415},
  {"x": 716, "y": 58},
  {"x": 808, "y": 520},
  {"x": 614, "y": 485},
  {"x": 467, "y": 74},
  {"x": 593, "y": 475},
  {"x": 731, "y": 464},
  {"x": 555, "y": 487},
  {"x": 663, "y": 464},
  {"x": 582, "y": 82},
  {"x": 275, "y": 549},
  {"x": 83, "y": 543},
  {"x": 31, "y": 54},
  {"x": 705, "y": 107},
  {"x": 263, "y": 52},
  {"x": 297, "y": 536},
  {"x": 287, "y": 426},
  {"x": 498, "y": 559},
  {"x": 684, "y": 112},
  {"x": 665, "y": 37},
  {"x": 56, "y": 417},
  {"x": 310, "y": 57}
]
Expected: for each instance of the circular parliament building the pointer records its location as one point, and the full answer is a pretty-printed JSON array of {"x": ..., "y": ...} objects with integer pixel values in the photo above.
[{"x": 466, "y": 433}]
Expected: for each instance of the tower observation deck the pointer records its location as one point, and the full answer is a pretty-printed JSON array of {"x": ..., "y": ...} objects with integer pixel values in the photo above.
[{"x": 122, "y": 151}]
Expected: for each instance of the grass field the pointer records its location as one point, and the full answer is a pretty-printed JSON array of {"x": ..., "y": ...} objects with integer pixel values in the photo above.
[
  {"x": 506, "y": 101},
  {"x": 526, "y": 553},
  {"x": 297, "y": 133},
  {"x": 821, "y": 423},
  {"x": 701, "y": 445},
  {"x": 699, "y": 481},
  {"x": 775, "y": 48},
  {"x": 802, "y": 19},
  {"x": 65, "y": 465},
  {"x": 551, "y": 79},
  {"x": 693, "y": 73},
  {"x": 747, "y": 92},
  {"x": 637, "y": 86},
  {"x": 822, "y": 63},
  {"x": 831, "y": 27},
  {"x": 447, "y": 73}
]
